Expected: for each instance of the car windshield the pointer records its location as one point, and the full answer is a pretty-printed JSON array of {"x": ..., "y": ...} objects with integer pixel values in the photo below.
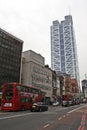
[
  {"x": 64, "y": 101},
  {"x": 35, "y": 104},
  {"x": 38, "y": 103}
]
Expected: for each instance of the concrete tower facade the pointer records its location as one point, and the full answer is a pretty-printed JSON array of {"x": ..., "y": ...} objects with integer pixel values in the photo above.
[{"x": 63, "y": 47}]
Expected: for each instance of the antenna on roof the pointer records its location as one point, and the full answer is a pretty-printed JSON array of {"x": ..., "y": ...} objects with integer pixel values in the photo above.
[
  {"x": 85, "y": 76},
  {"x": 69, "y": 10}
]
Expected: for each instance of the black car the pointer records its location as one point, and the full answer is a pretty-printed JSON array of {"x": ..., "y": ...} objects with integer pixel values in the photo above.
[{"x": 39, "y": 106}]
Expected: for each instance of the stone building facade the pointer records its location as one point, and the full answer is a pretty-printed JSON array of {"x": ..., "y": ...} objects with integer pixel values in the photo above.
[{"x": 35, "y": 73}]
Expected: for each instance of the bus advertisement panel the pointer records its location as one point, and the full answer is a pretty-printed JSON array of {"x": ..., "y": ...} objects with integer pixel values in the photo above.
[{"x": 17, "y": 96}]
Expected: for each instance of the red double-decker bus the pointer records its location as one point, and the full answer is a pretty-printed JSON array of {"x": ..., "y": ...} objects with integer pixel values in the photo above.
[{"x": 17, "y": 96}]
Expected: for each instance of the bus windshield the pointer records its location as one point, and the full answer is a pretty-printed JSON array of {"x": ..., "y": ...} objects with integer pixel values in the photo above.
[
  {"x": 8, "y": 92},
  {"x": 8, "y": 95}
]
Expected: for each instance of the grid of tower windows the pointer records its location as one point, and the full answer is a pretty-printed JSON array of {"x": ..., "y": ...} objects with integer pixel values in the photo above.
[{"x": 10, "y": 58}]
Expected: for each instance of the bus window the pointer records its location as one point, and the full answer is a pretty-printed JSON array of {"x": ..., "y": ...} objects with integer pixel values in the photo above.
[
  {"x": 31, "y": 100},
  {"x": 26, "y": 89},
  {"x": 22, "y": 88},
  {"x": 25, "y": 100},
  {"x": 22, "y": 100},
  {"x": 19, "y": 88},
  {"x": 30, "y": 90},
  {"x": 9, "y": 87}
]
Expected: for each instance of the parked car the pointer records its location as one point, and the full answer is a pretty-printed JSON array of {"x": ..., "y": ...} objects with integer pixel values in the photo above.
[
  {"x": 39, "y": 106},
  {"x": 65, "y": 103},
  {"x": 56, "y": 103},
  {"x": 77, "y": 101},
  {"x": 84, "y": 100},
  {"x": 71, "y": 103}
]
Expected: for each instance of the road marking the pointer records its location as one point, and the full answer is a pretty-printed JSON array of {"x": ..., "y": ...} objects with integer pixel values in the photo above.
[
  {"x": 81, "y": 127},
  {"x": 59, "y": 118},
  {"x": 80, "y": 111},
  {"x": 64, "y": 116},
  {"x": 46, "y": 125},
  {"x": 14, "y": 116},
  {"x": 76, "y": 109},
  {"x": 67, "y": 114},
  {"x": 2, "y": 113},
  {"x": 83, "y": 122},
  {"x": 83, "y": 117}
]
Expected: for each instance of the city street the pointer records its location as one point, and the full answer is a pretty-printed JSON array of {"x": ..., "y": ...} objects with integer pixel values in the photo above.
[{"x": 56, "y": 118}]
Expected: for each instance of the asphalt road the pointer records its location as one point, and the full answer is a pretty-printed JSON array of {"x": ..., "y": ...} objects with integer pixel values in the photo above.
[{"x": 56, "y": 118}]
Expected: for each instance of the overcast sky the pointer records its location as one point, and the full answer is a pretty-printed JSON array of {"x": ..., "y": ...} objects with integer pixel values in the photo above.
[{"x": 30, "y": 20}]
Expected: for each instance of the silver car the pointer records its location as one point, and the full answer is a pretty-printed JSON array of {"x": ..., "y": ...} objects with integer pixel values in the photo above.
[{"x": 65, "y": 103}]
